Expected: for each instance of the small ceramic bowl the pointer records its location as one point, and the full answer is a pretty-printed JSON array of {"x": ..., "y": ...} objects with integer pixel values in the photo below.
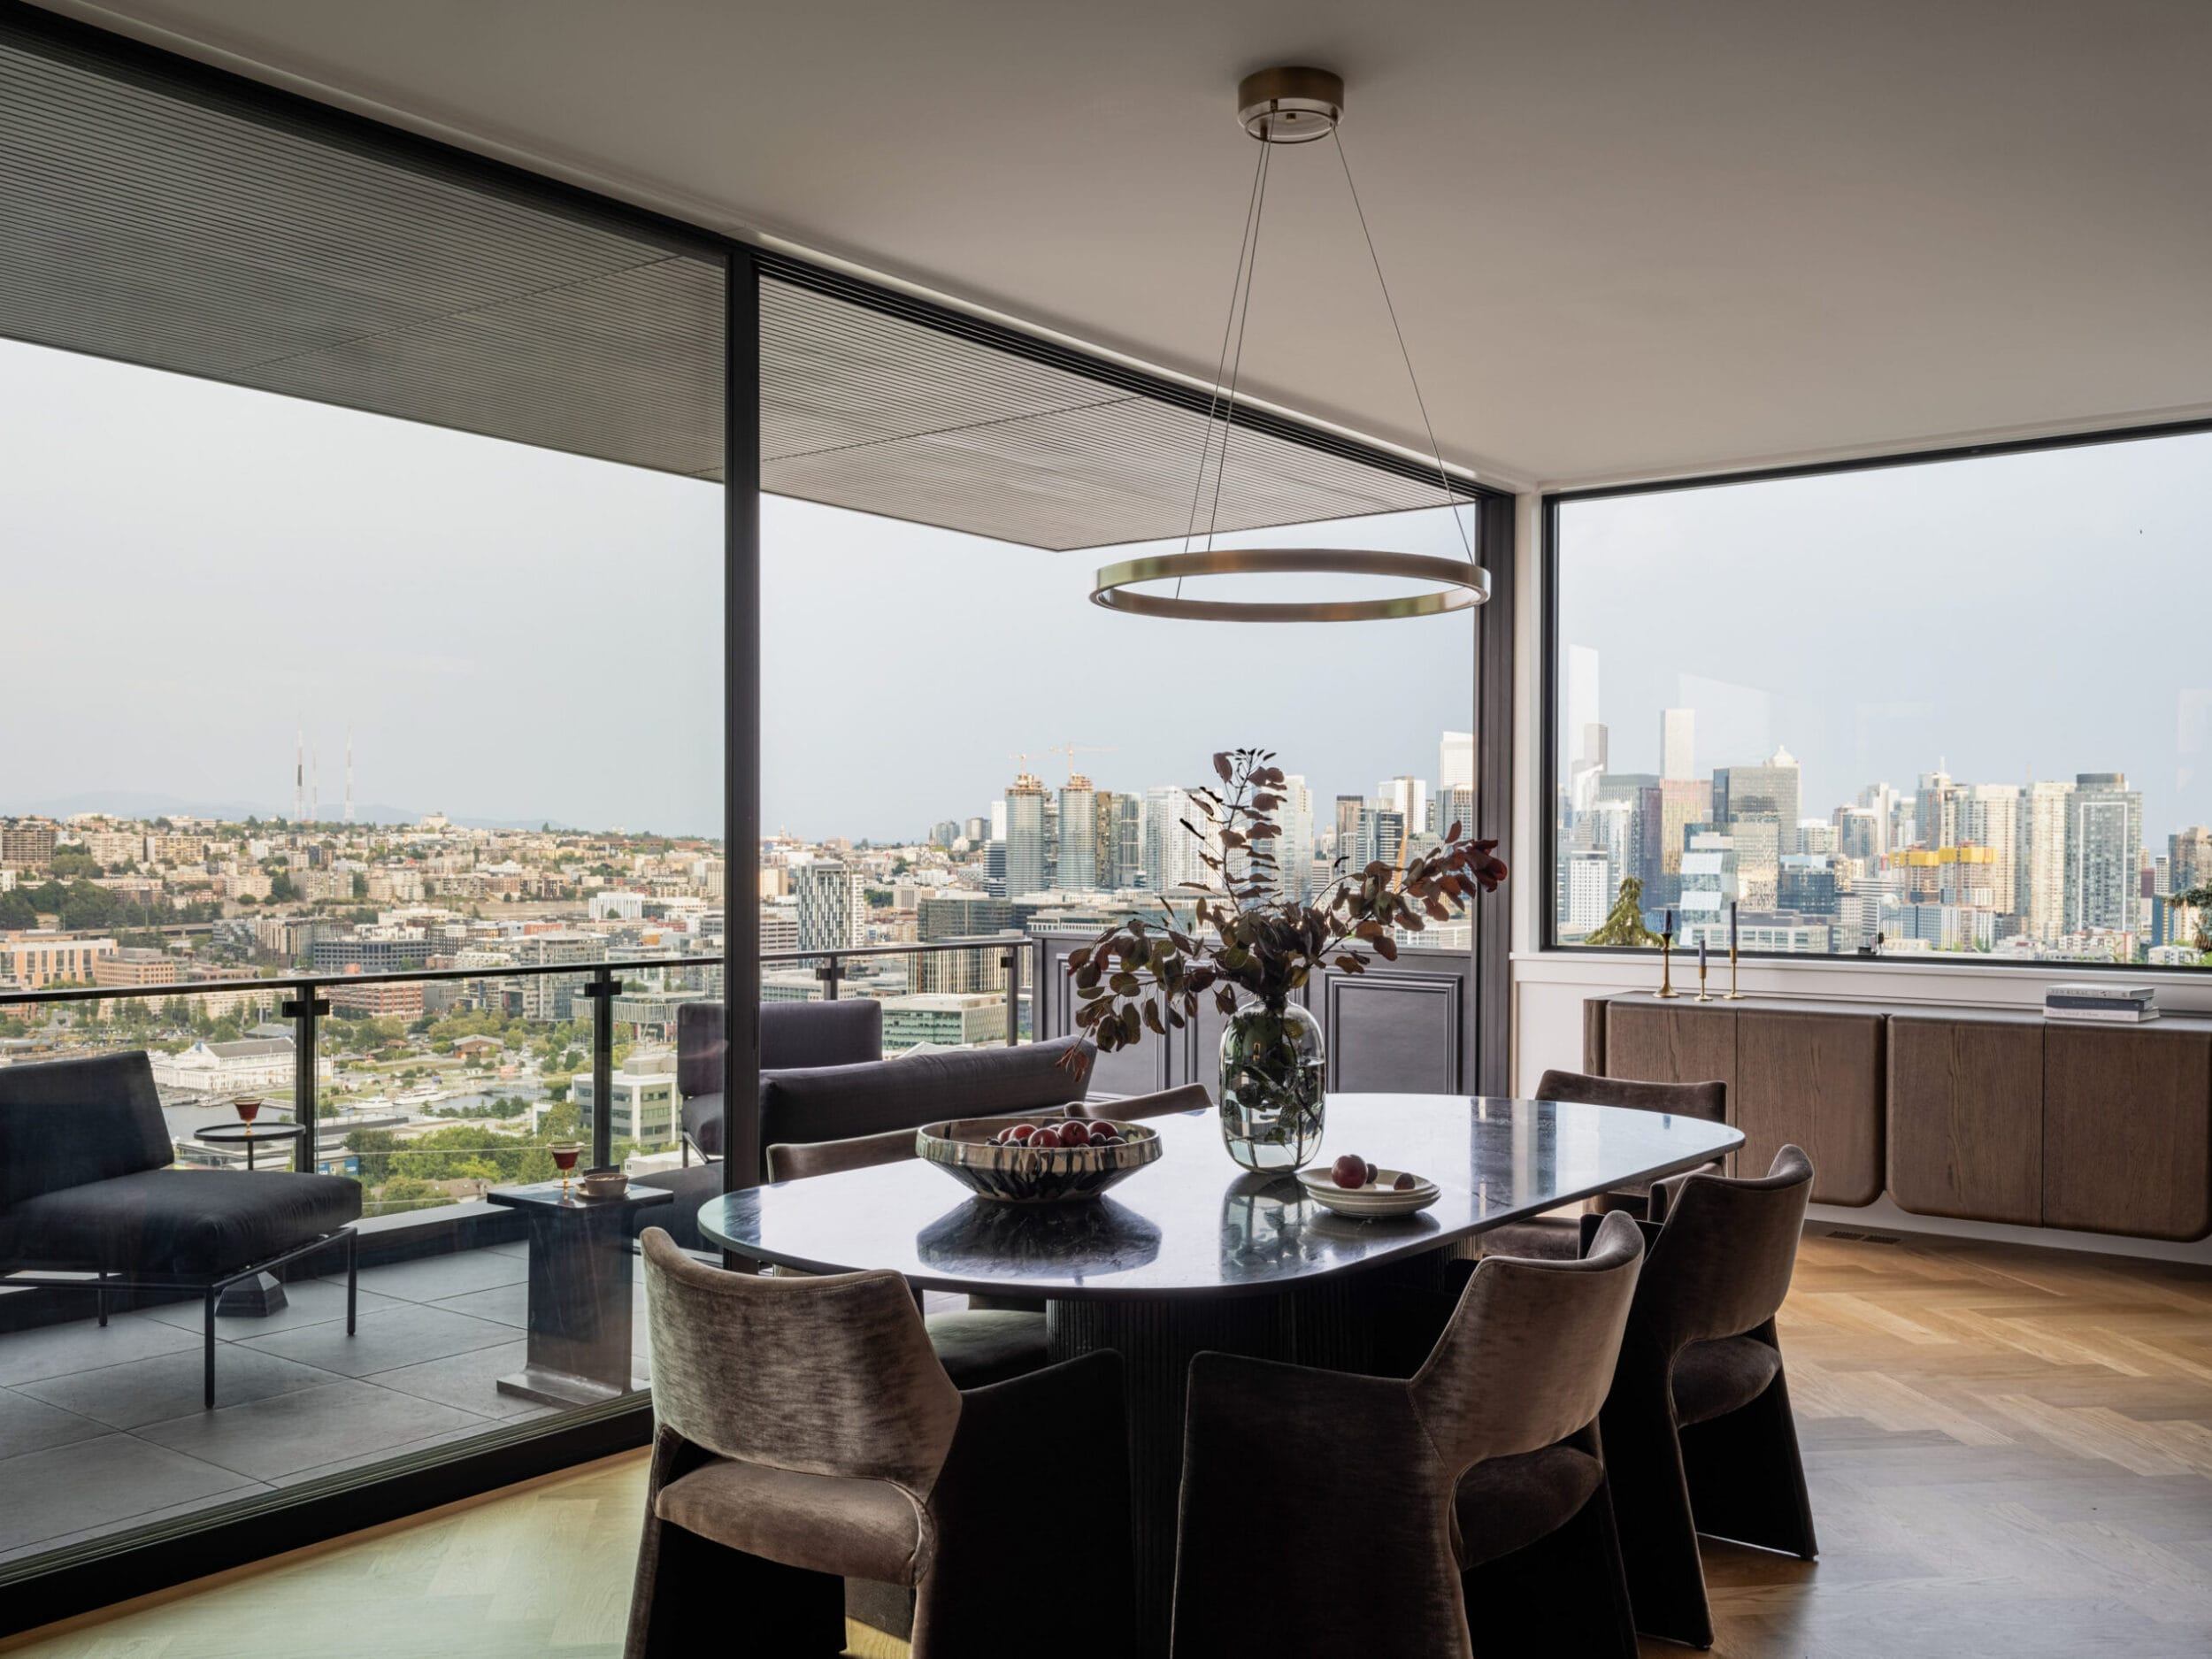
[
  {"x": 1017, "y": 1174},
  {"x": 1376, "y": 1201},
  {"x": 604, "y": 1183}
]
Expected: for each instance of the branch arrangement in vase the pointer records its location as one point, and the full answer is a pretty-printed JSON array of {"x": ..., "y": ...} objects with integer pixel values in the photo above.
[{"x": 1138, "y": 978}]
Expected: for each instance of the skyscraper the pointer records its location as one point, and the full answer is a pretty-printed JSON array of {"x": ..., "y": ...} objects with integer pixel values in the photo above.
[
  {"x": 2188, "y": 859},
  {"x": 1408, "y": 797},
  {"x": 1123, "y": 827},
  {"x": 1077, "y": 869},
  {"x": 1768, "y": 791},
  {"x": 833, "y": 909},
  {"x": 1989, "y": 817},
  {"x": 1294, "y": 849},
  {"x": 1678, "y": 745},
  {"x": 1455, "y": 762},
  {"x": 1936, "y": 810},
  {"x": 1029, "y": 848},
  {"x": 2038, "y": 871},
  {"x": 2104, "y": 845},
  {"x": 1349, "y": 809}
]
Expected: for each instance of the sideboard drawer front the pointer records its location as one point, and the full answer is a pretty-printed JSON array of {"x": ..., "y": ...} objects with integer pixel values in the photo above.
[
  {"x": 1815, "y": 1080},
  {"x": 1966, "y": 1117},
  {"x": 2127, "y": 1131}
]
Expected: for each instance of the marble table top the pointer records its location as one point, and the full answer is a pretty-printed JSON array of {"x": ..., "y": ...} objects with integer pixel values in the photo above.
[{"x": 1195, "y": 1224}]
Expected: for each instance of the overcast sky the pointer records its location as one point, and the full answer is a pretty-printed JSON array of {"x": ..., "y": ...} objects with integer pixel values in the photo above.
[
  {"x": 195, "y": 571},
  {"x": 2026, "y": 612}
]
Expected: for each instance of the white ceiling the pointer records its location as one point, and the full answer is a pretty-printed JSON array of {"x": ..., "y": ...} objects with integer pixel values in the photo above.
[{"x": 1623, "y": 238}]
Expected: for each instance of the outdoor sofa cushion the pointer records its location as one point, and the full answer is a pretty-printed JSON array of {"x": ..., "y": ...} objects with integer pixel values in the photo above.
[{"x": 191, "y": 1221}]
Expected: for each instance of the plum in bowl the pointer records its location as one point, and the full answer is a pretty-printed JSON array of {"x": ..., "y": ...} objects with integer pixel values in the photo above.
[{"x": 1037, "y": 1160}]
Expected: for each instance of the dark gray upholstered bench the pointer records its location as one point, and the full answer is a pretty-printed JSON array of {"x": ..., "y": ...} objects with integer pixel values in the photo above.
[{"x": 87, "y": 1186}]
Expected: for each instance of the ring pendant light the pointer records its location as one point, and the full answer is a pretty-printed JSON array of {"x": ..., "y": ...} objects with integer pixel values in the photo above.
[{"x": 1291, "y": 106}]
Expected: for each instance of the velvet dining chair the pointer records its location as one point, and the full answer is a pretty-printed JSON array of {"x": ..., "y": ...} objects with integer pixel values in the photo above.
[
  {"x": 1699, "y": 1435},
  {"x": 1329, "y": 1514},
  {"x": 805, "y": 1434}
]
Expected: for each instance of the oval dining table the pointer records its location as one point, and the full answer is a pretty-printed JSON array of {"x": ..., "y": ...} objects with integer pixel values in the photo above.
[{"x": 1193, "y": 1253}]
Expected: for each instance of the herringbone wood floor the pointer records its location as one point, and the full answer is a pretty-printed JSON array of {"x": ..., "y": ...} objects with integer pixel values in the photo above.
[{"x": 2011, "y": 1453}]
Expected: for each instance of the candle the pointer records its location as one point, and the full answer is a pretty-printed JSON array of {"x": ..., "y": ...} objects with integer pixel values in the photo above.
[
  {"x": 1667, "y": 927},
  {"x": 1701, "y": 953},
  {"x": 1731, "y": 926}
]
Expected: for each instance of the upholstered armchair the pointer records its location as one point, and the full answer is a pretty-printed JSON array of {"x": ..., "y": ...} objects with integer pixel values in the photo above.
[
  {"x": 1558, "y": 1234},
  {"x": 806, "y": 1434},
  {"x": 1328, "y": 1514},
  {"x": 1698, "y": 1431}
]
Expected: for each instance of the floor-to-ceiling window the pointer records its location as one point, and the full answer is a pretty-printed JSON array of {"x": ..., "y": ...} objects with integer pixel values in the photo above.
[
  {"x": 362, "y": 546},
  {"x": 1945, "y": 710}
]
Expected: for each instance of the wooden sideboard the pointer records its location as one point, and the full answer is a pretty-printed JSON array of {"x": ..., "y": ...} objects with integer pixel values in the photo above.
[{"x": 1977, "y": 1115}]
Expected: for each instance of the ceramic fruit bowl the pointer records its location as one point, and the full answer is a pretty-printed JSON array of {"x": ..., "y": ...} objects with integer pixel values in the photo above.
[
  {"x": 1374, "y": 1200},
  {"x": 1011, "y": 1170}
]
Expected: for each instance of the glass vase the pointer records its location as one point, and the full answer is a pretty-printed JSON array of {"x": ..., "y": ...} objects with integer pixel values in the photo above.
[{"x": 1271, "y": 1086}]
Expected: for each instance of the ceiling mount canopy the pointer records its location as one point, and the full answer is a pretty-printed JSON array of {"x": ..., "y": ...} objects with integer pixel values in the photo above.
[{"x": 1290, "y": 105}]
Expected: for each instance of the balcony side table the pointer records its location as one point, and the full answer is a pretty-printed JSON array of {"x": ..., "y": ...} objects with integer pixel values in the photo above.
[
  {"x": 262, "y": 1295},
  {"x": 579, "y": 1292}
]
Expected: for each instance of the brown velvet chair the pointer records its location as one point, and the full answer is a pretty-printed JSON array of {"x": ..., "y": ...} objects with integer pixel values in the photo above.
[
  {"x": 805, "y": 1434},
  {"x": 977, "y": 1345},
  {"x": 1165, "y": 1103},
  {"x": 1328, "y": 1514},
  {"x": 1559, "y": 1234},
  {"x": 1698, "y": 1431}
]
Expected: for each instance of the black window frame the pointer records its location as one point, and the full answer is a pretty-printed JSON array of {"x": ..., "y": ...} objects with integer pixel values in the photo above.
[{"x": 1550, "y": 662}]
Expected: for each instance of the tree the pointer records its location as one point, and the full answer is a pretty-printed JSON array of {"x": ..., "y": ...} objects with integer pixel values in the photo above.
[
  {"x": 1624, "y": 924},
  {"x": 373, "y": 1148},
  {"x": 406, "y": 1192},
  {"x": 281, "y": 887},
  {"x": 17, "y": 910}
]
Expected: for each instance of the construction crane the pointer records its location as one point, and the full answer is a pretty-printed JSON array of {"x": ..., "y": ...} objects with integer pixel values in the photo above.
[{"x": 1073, "y": 749}]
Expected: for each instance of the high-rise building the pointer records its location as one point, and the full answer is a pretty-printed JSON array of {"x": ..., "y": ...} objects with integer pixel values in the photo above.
[
  {"x": 944, "y": 833},
  {"x": 1349, "y": 809},
  {"x": 2188, "y": 859},
  {"x": 1173, "y": 857},
  {"x": 1455, "y": 762},
  {"x": 1989, "y": 817},
  {"x": 1028, "y": 847},
  {"x": 1589, "y": 891},
  {"x": 1382, "y": 836},
  {"x": 1455, "y": 805},
  {"x": 1768, "y": 791},
  {"x": 833, "y": 907},
  {"x": 2039, "y": 859},
  {"x": 1120, "y": 841},
  {"x": 960, "y": 913},
  {"x": 2104, "y": 842},
  {"x": 1078, "y": 869},
  {"x": 1678, "y": 745},
  {"x": 1935, "y": 809},
  {"x": 1294, "y": 849},
  {"x": 1408, "y": 797},
  {"x": 27, "y": 843}
]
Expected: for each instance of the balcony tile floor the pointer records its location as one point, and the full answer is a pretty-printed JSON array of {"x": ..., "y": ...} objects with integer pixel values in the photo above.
[{"x": 102, "y": 1429}]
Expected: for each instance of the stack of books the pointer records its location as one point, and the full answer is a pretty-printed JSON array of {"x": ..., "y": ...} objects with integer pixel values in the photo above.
[{"x": 2123, "y": 1004}]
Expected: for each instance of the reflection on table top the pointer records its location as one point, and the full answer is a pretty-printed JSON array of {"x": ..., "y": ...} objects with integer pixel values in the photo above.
[{"x": 1195, "y": 1224}]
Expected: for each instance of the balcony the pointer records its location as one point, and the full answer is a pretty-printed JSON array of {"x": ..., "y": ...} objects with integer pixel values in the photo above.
[{"x": 102, "y": 1431}]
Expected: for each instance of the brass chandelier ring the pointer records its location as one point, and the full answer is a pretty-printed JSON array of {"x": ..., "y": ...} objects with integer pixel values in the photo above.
[{"x": 1458, "y": 586}]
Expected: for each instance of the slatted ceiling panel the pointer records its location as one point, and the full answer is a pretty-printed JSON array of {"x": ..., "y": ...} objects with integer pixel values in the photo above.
[
  {"x": 161, "y": 230},
  {"x": 165, "y": 225},
  {"x": 837, "y": 375},
  {"x": 884, "y": 414}
]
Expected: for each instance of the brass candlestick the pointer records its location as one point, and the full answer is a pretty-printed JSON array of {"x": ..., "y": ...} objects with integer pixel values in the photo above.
[
  {"x": 1733, "y": 994},
  {"x": 1666, "y": 967},
  {"x": 1701, "y": 995}
]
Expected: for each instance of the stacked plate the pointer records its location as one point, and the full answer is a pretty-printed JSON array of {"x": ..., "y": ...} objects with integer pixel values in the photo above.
[{"x": 1380, "y": 1198}]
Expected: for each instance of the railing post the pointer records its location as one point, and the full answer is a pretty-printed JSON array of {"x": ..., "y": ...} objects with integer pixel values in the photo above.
[
  {"x": 1012, "y": 962},
  {"x": 828, "y": 973},
  {"x": 600, "y": 990},
  {"x": 301, "y": 1010}
]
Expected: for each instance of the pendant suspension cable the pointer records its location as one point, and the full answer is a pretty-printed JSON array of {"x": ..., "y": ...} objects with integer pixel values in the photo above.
[
  {"x": 1221, "y": 359},
  {"x": 1236, "y": 363},
  {"x": 1443, "y": 478}
]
